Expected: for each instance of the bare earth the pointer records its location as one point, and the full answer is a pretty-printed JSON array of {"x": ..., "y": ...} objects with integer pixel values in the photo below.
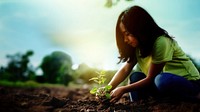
[{"x": 63, "y": 99}]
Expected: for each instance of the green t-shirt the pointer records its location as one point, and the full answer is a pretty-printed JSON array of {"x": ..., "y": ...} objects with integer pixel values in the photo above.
[{"x": 167, "y": 50}]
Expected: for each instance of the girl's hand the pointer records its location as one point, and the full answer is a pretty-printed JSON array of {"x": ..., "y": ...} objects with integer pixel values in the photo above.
[{"x": 116, "y": 94}]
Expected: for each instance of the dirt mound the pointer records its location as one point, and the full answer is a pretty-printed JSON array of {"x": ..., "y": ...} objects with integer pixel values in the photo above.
[{"x": 61, "y": 99}]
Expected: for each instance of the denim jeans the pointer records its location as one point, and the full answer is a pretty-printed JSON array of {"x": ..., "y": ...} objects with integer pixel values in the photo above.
[{"x": 165, "y": 84}]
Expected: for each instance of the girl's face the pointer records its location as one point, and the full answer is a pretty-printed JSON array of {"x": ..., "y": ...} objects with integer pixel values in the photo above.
[{"x": 128, "y": 38}]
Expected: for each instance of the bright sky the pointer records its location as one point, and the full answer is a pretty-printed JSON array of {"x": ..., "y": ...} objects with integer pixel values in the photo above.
[{"x": 85, "y": 29}]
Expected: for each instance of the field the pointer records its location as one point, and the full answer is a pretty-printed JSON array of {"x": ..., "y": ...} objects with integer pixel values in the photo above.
[{"x": 65, "y": 99}]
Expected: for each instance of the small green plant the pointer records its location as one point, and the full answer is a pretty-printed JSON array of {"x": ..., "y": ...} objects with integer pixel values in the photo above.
[{"x": 101, "y": 91}]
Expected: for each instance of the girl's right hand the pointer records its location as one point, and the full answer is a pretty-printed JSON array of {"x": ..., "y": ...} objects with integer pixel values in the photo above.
[{"x": 116, "y": 94}]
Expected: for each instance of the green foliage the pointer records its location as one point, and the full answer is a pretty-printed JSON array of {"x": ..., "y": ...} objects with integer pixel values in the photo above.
[
  {"x": 56, "y": 68},
  {"x": 84, "y": 72},
  {"x": 100, "y": 79},
  {"x": 101, "y": 92},
  {"x": 19, "y": 83},
  {"x": 18, "y": 68},
  {"x": 27, "y": 84}
]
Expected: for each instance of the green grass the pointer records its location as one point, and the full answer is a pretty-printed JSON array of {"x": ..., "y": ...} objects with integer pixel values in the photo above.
[{"x": 27, "y": 84}]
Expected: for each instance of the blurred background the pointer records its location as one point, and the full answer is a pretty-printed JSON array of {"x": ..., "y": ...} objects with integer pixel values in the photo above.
[{"x": 67, "y": 41}]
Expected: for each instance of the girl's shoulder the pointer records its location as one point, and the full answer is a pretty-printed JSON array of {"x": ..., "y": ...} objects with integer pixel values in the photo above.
[{"x": 163, "y": 40}]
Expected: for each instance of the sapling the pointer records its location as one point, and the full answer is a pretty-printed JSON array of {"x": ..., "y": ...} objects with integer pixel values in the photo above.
[{"x": 101, "y": 91}]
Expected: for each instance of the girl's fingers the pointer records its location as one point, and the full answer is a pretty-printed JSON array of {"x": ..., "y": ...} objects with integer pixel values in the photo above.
[
  {"x": 113, "y": 100},
  {"x": 111, "y": 92}
]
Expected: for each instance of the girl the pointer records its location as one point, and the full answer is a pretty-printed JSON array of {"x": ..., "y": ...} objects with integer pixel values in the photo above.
[{"x": 160, "y": 66}]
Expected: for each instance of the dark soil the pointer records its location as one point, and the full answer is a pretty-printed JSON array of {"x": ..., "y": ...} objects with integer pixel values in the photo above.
[{"x": 63, "y": 99}]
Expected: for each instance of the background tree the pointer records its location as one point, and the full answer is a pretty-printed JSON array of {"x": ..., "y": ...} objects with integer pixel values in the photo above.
[
  {"x": 57, "y": 68},
  {"x": 18, "y": 68}
]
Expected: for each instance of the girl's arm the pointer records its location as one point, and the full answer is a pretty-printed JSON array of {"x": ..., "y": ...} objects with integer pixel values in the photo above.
[
  {"x": 155, "y": 69},
  {"x": 121, "y": 74}
]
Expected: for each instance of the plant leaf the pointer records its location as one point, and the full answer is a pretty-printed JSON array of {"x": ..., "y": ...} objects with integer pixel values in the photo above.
[
  {"x": 103, "y": 80},
  {"x": 94, "y": 78},
  {"x": 94, "y": 90},
  {"x": 108, "y": 96},
  {"x": 108, "y": 87}
]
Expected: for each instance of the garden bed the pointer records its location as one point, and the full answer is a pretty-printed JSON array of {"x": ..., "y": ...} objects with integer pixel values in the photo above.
[{"x": 63, "y": 99}]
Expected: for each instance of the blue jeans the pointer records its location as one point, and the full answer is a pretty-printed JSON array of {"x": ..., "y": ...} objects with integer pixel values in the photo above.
[{"x": 165, "y": 84}]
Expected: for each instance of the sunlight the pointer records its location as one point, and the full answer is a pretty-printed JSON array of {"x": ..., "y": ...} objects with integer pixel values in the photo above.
[
  {"x": 86, "y": 32},
  {"x": 75, "y": 66},
  {"x": 85, "y": 36}
]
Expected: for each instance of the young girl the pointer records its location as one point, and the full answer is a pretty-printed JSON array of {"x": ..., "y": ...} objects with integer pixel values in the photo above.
[{"x": 160, "y": 67}]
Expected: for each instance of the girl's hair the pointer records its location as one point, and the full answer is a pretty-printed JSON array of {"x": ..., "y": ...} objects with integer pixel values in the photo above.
[{"x": 141, "y": 25}]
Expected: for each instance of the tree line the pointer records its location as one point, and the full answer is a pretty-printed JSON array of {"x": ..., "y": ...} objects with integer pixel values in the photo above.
[{"x": 56, "y": 69}]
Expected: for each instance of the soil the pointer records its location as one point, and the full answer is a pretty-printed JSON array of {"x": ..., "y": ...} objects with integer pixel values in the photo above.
[{"x": 64, "y": 99}]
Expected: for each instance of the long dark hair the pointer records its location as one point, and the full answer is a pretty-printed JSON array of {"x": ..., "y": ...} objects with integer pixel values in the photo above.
[
  {"x": 125, "y": 50},
  {"x": 141, "y": 25}
]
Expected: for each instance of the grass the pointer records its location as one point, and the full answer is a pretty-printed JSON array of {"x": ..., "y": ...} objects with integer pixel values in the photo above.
[{"x": 27, "y": 84}]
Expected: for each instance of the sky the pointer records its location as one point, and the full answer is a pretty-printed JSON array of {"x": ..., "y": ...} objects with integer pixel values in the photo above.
[{"x": 85, "y": 29}]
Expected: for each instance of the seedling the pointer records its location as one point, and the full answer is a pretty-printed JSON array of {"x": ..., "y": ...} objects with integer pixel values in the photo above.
[{"x": 101, "y": 91}]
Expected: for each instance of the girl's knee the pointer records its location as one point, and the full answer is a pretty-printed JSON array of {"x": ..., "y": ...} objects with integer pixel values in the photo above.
[
  {"x": 162, "y": 82},
  {"x": 136, "y": 76},
  {"x": 170, "y": 84},
  {"x": 166, "y": 81}
]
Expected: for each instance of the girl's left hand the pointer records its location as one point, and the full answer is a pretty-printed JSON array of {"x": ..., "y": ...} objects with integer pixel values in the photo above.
[{"x": 116, "y": 94}]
